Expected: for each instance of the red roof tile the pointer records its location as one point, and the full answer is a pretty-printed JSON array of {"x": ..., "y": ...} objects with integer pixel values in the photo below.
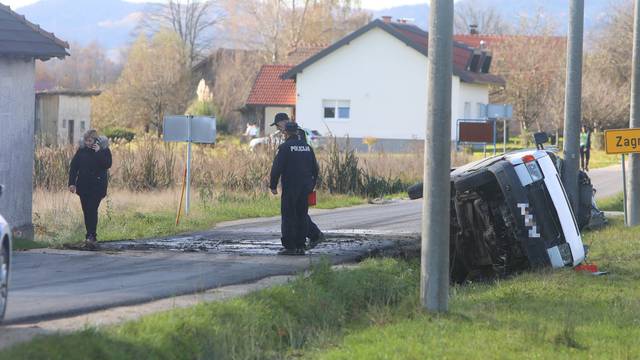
[{"x": 270, "y": 89}]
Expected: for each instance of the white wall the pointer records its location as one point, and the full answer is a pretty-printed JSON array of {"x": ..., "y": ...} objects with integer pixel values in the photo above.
[
  {"x": 380, "y": 76},
  {"x": 17, "y": 109},
  {"x": 78, "y": 109},
  {"x": 473, "y": 94},
  {"x": 386, "y": 83}
]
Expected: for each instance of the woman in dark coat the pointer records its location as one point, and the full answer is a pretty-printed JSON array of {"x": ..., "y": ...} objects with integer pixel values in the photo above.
[{"x": 88, "y": 177}]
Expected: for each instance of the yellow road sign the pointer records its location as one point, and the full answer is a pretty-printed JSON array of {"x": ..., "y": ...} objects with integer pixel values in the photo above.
[{"x": 622, "y": 141}]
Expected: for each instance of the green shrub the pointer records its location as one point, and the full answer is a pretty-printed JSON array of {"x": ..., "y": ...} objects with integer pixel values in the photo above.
[
  {"x": 202, "y": 108},
  {"x": 119, "y": 134}
]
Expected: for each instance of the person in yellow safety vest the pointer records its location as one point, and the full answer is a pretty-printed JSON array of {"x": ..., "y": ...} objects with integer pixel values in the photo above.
[{"x": 585, "y": 148}]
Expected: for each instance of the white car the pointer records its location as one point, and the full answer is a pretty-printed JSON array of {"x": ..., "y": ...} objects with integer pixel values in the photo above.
[
  {"x": 5, "y": 261},
  {"x": 275, "y": 139}
]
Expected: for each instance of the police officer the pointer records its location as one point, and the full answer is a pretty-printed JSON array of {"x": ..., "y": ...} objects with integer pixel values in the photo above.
[
  {"x": 296, "y": 164},
  {"x": 314, "y": 234}
]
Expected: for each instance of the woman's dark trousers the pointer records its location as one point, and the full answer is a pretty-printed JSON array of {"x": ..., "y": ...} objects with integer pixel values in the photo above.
[{"x": 90, "y": 204}]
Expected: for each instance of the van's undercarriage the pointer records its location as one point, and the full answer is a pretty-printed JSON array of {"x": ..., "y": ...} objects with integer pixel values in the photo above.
[{"x": 483, "y": 236}]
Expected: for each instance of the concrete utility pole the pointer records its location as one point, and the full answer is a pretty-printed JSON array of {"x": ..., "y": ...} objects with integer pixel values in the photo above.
[
  {"x": 573, "y": 101},
  {"x": 633, "y": 198},
  {"x": 434, "y": 274}
]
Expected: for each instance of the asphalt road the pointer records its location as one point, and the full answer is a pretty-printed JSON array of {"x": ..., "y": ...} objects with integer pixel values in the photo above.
[
  {"x": 49, "y": 284},
  {"x": 607, "y": 181}
]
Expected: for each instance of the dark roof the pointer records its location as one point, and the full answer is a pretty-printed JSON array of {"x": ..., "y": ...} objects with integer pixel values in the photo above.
[
  {"x": 69, "y": 92},
  {"x": 271, "y": 89},
  {"x": 21, "y": 38},
  {"x": 417, "y": 39},
  {"x": 492, "y": 41}
]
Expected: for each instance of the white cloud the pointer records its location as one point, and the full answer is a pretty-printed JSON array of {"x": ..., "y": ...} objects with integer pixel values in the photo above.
[
  {"x": 385, "y": 4},
  {"x": 127, "y": 21}
]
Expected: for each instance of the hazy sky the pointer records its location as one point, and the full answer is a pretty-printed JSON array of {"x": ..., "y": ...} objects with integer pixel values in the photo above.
[{"x": 369, "y": 4}]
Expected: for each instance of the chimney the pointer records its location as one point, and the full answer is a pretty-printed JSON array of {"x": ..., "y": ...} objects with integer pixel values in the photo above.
[
  {"x": 473, "y": 29},
  {"x": 386, "y": 19}
]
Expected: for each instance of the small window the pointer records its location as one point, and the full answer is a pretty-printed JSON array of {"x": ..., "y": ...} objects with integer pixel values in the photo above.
[
  {"x": 64, "y": 123},
  {"x": 329, "y": 112},
  {"x": 82, "y": 125},
  {"x": 337, "y": 109},
  {"x": 480, "y": 110},
  {"x": 467, "y": 110}
]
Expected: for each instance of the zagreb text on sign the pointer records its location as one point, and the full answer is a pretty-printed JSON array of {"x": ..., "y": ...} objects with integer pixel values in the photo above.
[{"x": 622, "y": 141}]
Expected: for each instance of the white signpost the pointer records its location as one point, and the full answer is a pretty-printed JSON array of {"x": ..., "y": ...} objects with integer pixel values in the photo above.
[
  {"x": 189, "y": 129},
  {"x": 500, "y": 111}
]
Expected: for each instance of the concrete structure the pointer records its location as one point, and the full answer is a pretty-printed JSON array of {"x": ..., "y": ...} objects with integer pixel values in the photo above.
[
  {"x": 62, "y": 116},
  {"x": 373, "y": 84},
  {"x": 21, "y": 42}
]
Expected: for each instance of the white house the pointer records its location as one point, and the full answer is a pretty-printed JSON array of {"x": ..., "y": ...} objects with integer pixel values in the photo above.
[
  {"x": 373, "y": 83},
  {"x": 21, "y": 43},
  {"x": 62, "y": 116}
]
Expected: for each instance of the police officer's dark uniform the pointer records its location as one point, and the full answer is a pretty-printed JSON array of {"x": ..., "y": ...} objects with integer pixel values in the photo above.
[
  {"x": 296, "y": 164},
  {"x": 314, "y": 234}
]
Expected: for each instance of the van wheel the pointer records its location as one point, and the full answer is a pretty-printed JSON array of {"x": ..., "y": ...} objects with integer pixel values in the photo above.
[
  {"x": 415, "y": 191},
  {"x": 4, "y": 277},
  {"x": 474, "y": 181}
]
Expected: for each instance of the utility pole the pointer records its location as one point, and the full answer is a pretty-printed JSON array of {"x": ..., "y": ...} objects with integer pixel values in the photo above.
[
  {"x": 434, "y": 270},
  {"x": 633, "y": 184},
  {"x": 573, "y": 101}
]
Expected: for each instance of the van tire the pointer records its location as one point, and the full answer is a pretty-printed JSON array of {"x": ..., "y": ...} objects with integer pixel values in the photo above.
[
  {"x": 474, "y": 181},
  {"x": 415, "y": 191}
]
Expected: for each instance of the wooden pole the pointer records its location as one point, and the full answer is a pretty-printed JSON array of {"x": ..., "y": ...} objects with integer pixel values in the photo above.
[{"x": 184, "y": 184}]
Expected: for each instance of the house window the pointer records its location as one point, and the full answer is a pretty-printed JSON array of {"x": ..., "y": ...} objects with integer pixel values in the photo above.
[
  {"x": 336, "y": 109},
  {"x": 64, "y": 123},
  {"x": 480, "y": 111},
  {"x": 467, "y": 110},
  {"x": 82, "y": 125}
]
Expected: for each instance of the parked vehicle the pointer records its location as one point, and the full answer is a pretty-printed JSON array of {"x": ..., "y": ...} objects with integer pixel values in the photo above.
[
  {"x": 510, "y": 213},
  {"x": 5, "y": 261},
  {"x": 275, "y": 139}
]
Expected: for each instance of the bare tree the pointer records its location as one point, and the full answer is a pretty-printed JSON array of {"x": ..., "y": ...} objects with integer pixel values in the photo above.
[
  {"x": 88, "y": 67},
  {"x": 534, "y": 68},
  {"x": 487, "y": 19},
  {"x": 194, "y": 21},
  {"x": 277, "y": 27},
  {"x": 155, "y": 81},
  {"x": 607, "y": 71}
]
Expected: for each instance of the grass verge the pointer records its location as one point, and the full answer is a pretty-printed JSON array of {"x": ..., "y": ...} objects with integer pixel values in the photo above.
[
  {"x": 274, "y": 323},
  {"x": 26, "y": 244},
  {"x": 543, "y": 315},
  {"x": 135, "y": 215},
  {"x": 612, "y": 203},
  {"x": 373, "y": 313}
]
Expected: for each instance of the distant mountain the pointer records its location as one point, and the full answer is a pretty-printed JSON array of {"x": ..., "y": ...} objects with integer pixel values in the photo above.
[
  {"x": 511, "y": 11},
  {"x": 109, "y": 22}
]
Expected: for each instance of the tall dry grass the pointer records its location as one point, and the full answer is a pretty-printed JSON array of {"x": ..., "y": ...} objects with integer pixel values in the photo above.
[{"x": 149, "y": 164}]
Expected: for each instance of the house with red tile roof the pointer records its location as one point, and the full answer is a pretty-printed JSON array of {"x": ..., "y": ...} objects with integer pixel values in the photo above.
[
  {"x": 271, "y": 94},
  {"x": 373, "y": 84}
]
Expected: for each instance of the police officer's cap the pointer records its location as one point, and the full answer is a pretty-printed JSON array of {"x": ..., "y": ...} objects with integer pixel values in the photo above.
[{"x": 280, "y": 117}]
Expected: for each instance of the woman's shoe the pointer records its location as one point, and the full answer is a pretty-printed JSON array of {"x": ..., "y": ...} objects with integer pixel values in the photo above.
[{"x": 91, "y": 242}]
